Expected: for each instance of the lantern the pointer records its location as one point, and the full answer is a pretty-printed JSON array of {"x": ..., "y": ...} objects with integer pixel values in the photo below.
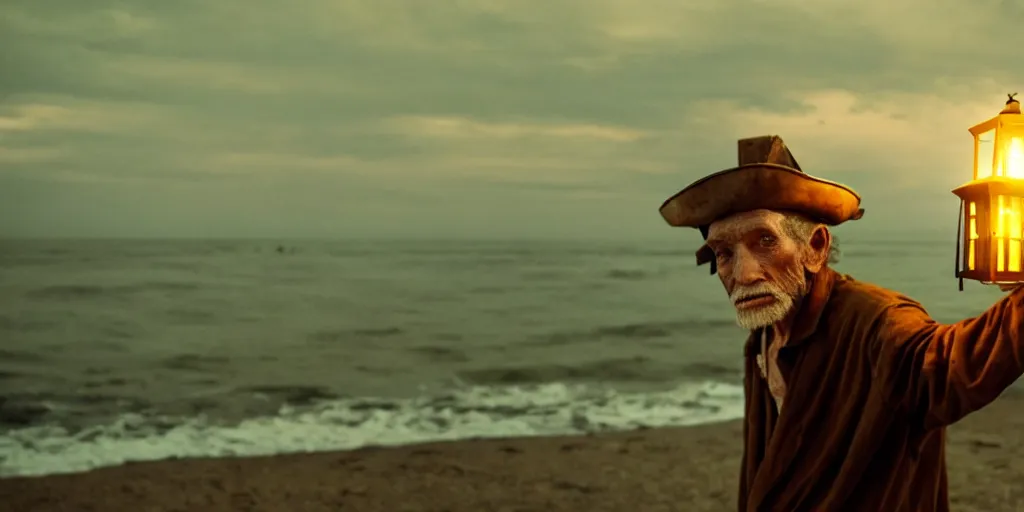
[{"x": 989, "y": 238}]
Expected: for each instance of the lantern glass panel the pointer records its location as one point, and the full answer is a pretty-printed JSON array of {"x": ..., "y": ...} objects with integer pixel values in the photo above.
[
  {"x": 1008, "y": 233},
  {"x": 1015, "y": 232},
  {"x": 985, "y": 157},
  {"x": 1015, "y": 157},
  {"x": 972, "y": 241}
]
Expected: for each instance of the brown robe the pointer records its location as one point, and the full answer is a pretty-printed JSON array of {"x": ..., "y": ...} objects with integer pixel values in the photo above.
[{"x": 872, "y": 382}]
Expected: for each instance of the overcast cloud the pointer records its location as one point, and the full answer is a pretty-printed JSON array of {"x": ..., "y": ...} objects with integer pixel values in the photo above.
[{"x": 469, "y": 118}]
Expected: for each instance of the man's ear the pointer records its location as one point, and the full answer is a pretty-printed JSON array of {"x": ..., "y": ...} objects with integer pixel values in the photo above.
[{"x": 817, "y": 250}]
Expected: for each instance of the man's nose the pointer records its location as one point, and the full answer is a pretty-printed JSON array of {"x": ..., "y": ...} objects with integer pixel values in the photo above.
[{"x": 747, "y": 270}]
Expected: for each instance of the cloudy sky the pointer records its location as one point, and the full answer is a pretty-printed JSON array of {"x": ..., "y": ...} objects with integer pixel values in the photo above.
[{"x": 477, "y": 118}]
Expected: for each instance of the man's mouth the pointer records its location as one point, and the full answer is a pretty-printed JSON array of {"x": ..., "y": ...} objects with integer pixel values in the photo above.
[{"x": 754, "y": 301}]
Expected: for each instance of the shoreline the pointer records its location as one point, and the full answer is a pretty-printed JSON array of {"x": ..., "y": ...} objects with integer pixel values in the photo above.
[
  {"x": 352, "y": 422},
  {"x": 675, "y": 468}
]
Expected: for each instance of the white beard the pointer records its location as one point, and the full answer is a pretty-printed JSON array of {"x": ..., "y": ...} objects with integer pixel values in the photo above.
[{"x": 764, "y": 316}]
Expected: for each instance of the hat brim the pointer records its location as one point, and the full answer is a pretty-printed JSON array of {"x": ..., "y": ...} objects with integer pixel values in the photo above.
[{"x": 761, "y": 186}]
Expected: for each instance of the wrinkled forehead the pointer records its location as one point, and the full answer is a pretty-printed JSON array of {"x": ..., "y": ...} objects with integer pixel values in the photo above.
[{"x": 737, "y": 226}]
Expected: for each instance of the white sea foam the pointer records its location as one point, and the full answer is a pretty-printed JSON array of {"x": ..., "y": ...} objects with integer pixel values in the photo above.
[{"x": 350, "y": 423}]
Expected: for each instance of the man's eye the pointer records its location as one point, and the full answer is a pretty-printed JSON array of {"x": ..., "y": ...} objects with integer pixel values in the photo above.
[
  {"x": 768, "y": 240},
  {"x": 723, "y": 255}
]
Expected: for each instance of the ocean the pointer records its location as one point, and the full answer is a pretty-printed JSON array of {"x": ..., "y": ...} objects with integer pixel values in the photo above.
[{"x": 131, "y": 350}]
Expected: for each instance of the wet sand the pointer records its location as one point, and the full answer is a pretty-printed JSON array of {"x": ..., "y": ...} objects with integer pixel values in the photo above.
[{"x": 675, "y": 469}]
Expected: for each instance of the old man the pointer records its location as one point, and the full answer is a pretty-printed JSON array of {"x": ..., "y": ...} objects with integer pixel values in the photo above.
[{"x": 849, "y": 386}]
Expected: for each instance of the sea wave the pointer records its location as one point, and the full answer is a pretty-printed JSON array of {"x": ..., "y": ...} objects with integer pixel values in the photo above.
[
  {"x": 636, "y": 369},
  {"x": 547, "y": 409}
]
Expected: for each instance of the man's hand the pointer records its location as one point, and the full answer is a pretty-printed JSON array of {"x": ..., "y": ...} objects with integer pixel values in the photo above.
[{"x": 1009, "y": 287}]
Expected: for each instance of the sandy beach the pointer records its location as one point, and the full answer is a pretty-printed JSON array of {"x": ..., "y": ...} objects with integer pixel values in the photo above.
[{"x": 692, "y": 469}]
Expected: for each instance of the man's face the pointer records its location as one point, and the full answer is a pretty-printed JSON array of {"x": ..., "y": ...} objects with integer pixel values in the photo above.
[{"x": 760, "y": 265}]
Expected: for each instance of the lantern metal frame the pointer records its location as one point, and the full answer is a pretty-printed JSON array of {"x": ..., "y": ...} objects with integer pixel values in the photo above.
[{"x": 990, "y": 228}]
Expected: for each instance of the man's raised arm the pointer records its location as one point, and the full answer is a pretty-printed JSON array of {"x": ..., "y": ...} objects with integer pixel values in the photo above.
[{"x": 940, "y": 373}]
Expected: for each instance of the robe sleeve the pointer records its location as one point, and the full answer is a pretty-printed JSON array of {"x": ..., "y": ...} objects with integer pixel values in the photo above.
[{"x": 940, "y": 373}]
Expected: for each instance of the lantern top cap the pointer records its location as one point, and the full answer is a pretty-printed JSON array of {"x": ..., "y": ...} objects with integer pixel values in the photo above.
[{"x": 1012, "y": 105}]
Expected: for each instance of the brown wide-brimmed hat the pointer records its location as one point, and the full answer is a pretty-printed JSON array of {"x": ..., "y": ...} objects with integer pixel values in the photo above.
[{"x": 767, "y": 177}]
